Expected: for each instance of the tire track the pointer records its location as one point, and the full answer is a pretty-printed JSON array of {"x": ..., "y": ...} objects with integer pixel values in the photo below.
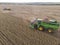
[
  {"x": 1, "y": 42},
  {"x": 6, "y": 38},
  {"x": 13, "y": 38}
]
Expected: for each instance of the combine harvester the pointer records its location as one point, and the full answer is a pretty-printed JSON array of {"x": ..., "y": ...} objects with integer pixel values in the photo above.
[{"x": 44, "y": 25}]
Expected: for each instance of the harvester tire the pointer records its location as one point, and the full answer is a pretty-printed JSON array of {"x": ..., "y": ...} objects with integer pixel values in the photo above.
[
  {"x": 41, "y": 28},
  {"x": 50, "y": 30},
  {"x": 35, "y": 26}
]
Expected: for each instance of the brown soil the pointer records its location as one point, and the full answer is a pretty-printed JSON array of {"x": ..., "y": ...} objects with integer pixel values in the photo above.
[{"x": 14, "y": 25}]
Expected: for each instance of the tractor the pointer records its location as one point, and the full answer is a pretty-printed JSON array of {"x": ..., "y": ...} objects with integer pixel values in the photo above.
[{"x": 40, "y": 25}]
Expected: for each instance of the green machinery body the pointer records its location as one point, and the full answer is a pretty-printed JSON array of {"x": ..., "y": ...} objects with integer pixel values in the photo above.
[{"x": 47, "y": 25}]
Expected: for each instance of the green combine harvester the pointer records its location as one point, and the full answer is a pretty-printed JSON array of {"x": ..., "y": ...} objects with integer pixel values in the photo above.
[{"x": 50, "y": 26}]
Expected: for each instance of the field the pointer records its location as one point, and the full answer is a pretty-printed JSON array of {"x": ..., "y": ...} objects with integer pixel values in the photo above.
[{"x": 14, "y": 25}]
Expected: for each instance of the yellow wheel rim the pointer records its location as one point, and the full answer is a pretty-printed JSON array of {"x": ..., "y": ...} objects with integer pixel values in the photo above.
[
  {"x": 49, "y": 30},
  {"x": 40, "y": 28}
]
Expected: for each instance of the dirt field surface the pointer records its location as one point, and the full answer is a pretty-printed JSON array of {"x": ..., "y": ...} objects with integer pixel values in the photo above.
[{"x": 14, "y": 25}]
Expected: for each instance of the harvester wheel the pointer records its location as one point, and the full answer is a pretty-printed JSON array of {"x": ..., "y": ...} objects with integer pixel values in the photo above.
[
  {"x": 41, "y": 28},
  {"x": 50, "y": 30},
  {"x": 35, "y": 26}
]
